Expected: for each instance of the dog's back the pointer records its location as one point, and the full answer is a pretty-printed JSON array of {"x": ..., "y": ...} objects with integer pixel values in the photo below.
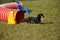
[
  {"x": 29, "y": 19},
  {"x": 34, "y": 19}
]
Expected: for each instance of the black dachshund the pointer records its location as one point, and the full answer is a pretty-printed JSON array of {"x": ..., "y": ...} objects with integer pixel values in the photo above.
[{"x": 34, "y": 19}]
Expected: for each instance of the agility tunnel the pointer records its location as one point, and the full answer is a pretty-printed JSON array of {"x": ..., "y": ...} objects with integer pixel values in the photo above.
[
  {"x": 13, "y": 5},
  {"x": 11, "y": 15}
]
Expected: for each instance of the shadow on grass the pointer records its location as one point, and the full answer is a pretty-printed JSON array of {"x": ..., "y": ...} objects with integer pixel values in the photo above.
[
  {"x": 58, "y": 37},
  {"x": 41, "y": 23},
  {"x": 47, "y": 23}
]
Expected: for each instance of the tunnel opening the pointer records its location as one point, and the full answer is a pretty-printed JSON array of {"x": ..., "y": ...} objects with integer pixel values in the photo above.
[{"x": 20, "y": 16}]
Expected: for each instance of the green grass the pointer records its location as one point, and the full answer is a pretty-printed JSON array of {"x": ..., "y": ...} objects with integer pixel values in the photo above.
[{"x": 25, "y": 31}]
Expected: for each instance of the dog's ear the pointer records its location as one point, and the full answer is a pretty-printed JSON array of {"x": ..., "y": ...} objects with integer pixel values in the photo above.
[{"x": 41, "y": 14}]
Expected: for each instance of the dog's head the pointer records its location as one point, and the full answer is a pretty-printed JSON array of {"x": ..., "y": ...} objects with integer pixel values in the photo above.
[{"x": 41, "y": 15}]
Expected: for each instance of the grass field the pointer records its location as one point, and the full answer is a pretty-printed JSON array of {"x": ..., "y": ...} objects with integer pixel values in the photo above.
[{"x": 24, "y": 31}]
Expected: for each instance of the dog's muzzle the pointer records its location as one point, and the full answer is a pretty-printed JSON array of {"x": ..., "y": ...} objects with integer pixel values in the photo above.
[{"x": 42, "y": 16}]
